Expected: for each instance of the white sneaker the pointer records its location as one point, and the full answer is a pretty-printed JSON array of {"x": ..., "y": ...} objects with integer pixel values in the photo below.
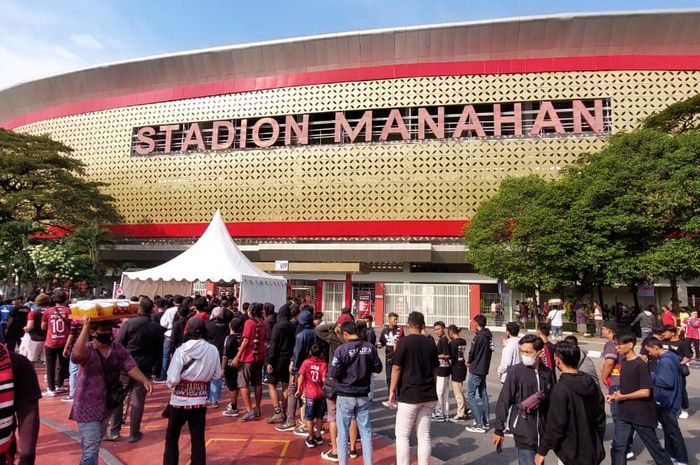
[
  {"x": 630, "y": 455},
  {"x": 61, "y": 390},
  {"x": 475, "y": 429},
  {"x": 684, "y": 415},
  {"x": 49, "y": 393}
]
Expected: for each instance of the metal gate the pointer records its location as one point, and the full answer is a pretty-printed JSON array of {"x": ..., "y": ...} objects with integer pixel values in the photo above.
[{"x": 438, "y": 302}]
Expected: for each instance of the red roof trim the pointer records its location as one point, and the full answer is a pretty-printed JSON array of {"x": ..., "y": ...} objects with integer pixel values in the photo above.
[
  {"x": 527, "y": 65},
  {"x": 303, "y": 229}
]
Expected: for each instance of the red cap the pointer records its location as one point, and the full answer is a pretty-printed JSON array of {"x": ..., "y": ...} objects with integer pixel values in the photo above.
[{"x": 345, "y": 318}]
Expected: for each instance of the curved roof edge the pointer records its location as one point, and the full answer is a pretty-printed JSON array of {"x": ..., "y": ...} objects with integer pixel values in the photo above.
[{"x": 655, "y": 32}]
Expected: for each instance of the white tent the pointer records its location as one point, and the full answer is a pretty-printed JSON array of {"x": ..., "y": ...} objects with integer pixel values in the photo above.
[{"x": 214, "y": 257}]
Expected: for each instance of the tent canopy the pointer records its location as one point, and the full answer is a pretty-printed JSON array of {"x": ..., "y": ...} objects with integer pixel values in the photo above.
[{"x": 214, "y": 257}]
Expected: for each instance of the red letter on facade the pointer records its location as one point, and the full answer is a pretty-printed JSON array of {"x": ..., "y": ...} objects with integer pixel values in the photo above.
[
  {"x": 469, "y": 121},
  {"x": 275, "y": 132},
  {"x": 547, "y": 118},
  {"x": 243, "y": 134},
  {"x": 438, "y": 129},
  {"x": 394, "y": 125},
  {"x": 230, "y": 135},
  {"x": 193, "y": 137},
  {"x": 580, "y": 110},
  {"x": 168, "y": 130},
  {"x": 145, "y": 143},
  {"x": 301, "y": 133},
  {"x": 342, "y": 125},
  {"x": 516, "y": 120}
]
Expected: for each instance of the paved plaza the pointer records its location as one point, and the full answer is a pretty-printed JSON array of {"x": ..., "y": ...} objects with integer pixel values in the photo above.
[{"x": 257, "y": 443}]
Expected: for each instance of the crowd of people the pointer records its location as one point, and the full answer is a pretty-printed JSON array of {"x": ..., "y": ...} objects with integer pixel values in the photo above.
[{"x": 319, "y": 377}]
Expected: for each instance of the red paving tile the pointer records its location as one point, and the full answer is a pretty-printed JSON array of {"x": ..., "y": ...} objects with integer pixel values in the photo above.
[{"x": 228, "y": 442}]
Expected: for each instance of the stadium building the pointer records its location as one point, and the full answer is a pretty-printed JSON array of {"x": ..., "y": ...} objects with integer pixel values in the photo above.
[{"x": 350, "y": 163}]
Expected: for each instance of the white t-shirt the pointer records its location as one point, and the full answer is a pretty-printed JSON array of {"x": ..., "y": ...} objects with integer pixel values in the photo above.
[{"x": 555, "y": 317}]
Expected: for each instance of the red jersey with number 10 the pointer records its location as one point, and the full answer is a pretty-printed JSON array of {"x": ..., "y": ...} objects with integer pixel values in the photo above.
[
  {"x": 314, "y": 372},
  {"x": 57, "y": 326}
]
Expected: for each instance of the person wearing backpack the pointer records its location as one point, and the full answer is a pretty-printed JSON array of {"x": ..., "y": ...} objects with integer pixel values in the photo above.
[
  {"x": 55, "y": 322},
  {"x": 524, "y": 400},
  {"x": 37, "y": 336},
  {"x": 575, "y": 424}
]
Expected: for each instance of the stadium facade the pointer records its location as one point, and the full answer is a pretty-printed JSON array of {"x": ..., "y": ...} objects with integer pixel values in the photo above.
[{"x": 350, "y": 163}]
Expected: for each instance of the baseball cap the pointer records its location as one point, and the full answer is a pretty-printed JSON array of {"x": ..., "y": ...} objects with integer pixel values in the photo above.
[
  {"x": 345, "y": 318},
  {"x": 196, "y": 327},
  {"x": 611, "y": 325}
]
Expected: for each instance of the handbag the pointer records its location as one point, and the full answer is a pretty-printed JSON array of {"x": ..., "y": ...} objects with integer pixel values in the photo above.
[
  {"x": 116, "y": 395},
  {"x": 685, "y": 370},
  {"x": 165, "y": 413}
]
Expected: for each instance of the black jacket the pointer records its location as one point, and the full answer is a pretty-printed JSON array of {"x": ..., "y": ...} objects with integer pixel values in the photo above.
[
  {"x": 480, "y": 353},
  {"x": 281, "y": 338},
  {"x": 575, "y": 424},
  {"x": 217, "y": 330},
  {"x": 521, "y": 382},
  {"x": 144, "y": 340}
]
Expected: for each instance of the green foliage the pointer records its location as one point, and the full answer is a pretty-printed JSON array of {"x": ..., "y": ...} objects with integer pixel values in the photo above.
[
  {"x": 677, "y": 118},
  {"x": 41, "y": 182},
  {"x": 512, "y": 232},
  {"x": 628, "y": 214},
  {"x": 43, "y": 187}
]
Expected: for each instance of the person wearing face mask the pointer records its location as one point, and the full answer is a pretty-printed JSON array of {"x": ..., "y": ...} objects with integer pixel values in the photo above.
[
  {"x": 100, "y": 363},
  {"x": 526, "y": 391}
]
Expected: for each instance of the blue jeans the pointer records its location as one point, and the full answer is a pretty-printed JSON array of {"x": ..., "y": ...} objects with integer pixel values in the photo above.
[
  {"x": 90, "y": 437},
  {"x": 673, "y": 438},
  {"x": 72, "y": 376},
  {"x": 346, "y": 408},
  {"x": 526, "y": 457},
  {"x": 622, "y": 435},
  {"x": 481, "y": 412},
  {"x": 215, "y": 390},
  {"x": 166, "y": 358}
]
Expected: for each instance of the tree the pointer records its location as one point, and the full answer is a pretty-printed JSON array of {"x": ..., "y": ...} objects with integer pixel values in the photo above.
[
  {"x": 517, "y": 234},
  {"x": 677, "y": 118},
  {"x": 43, "y": 190},
  {"x": 41, "y": 182},
  {"x": 629, "y": 213}
]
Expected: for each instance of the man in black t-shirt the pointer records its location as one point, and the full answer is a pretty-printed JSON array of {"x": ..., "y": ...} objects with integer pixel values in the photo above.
[
  {"x": 458, "y": 347},
  {"x": 635, "y": 405},
  {"x": 479, "y": 363},
  {"x": 442, "y": 408},
  {"x": 388, "y": 338},
  {"x": 413, "y": 386},
  {"x": 14, "y": 329},
  {"x": 231, "y": 344}
]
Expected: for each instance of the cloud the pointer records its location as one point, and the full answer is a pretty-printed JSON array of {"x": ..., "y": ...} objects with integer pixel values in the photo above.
[
  {"x": 86, "y": 41},
  {"x": 45, "y": 38}
]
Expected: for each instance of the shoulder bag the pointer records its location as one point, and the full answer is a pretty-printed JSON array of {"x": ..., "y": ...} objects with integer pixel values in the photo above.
[
  {"x": 115, "y": 395},
  {"x": 165, "y": 413}
]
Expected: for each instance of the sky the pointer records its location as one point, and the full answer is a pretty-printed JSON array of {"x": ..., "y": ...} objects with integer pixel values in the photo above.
[{"x": 45, "y": 37}]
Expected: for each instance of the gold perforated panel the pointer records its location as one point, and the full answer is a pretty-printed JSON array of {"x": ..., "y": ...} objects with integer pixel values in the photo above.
[{"x": 417, "y": 180}]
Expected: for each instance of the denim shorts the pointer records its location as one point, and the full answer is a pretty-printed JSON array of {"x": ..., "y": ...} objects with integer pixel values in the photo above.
[{"x": 314, "y": 408}]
